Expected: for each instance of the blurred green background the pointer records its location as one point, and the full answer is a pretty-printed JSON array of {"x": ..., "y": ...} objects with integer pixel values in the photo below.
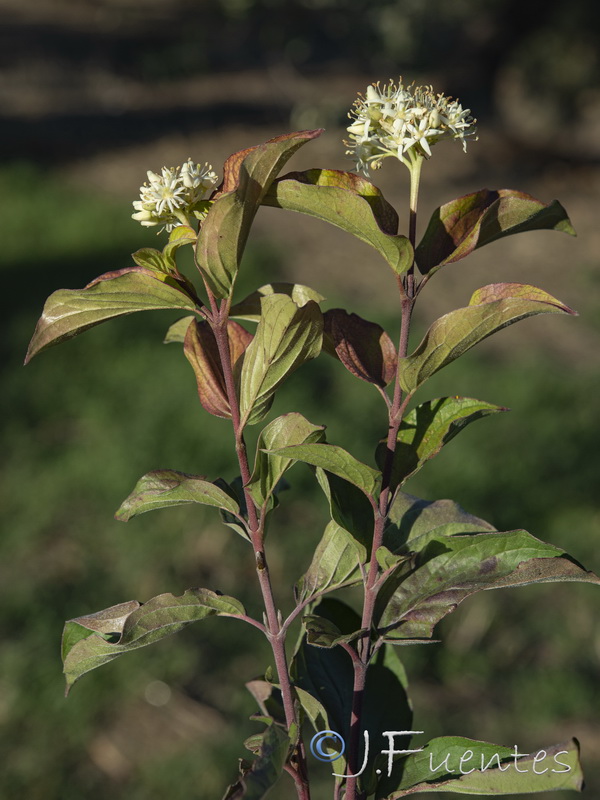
[{"x": 95, "y": 94}]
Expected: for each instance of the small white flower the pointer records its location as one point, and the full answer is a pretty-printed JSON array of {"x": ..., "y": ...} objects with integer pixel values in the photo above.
[
  {"x": 418, "y": 135},
  {"x": 198, "y": 178},
  {"x": 403, "y": 122},
  {"x": 170, "y": 199}
]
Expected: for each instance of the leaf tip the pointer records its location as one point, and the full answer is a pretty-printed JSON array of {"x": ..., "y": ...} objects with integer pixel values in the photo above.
[{"x": 32, "y": 350}]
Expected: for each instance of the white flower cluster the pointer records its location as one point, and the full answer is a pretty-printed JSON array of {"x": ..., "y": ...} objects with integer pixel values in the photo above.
[
  {"x": 404, "y": 121},
  {"x": 169, "y": 198}
]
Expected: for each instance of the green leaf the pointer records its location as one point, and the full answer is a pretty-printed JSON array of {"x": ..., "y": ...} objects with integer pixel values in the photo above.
[
  {"x": 201, "y": 350},
  {"x": 286, "y": 337},
  {"x": 412, "y": 524},
  {"x": 104, "y": 622},
  {"x": 387, "y": 559},
  {"x": 363, "y": 347},
  {"x": 149, "y": 258},
  {"x": 269, "y": 699},
  {"x": 426, "y": 429},
  {"x": 177, "y": 331},
  {"x": 164, "y": 261},
  {"x": 349, "y": 202},
  {"x": 288, "y": 429},
  {"x": 236, "y": 487},
  {"x": 263, "y": 774},
  {"x": 69, "y": 312},
  {"x": 412, "y": 520},
  {"x": 490, "y": 309},
  {"x": 250, "y": 308},
  {"x": 469, "y": 222},
  {"x": 165, "y": 488},
  {"x": 349, "y": 508},
  {"x": 451, "y": 568},
  {"x": 247, "y": 176},
  {"x": 96, "y": 639},
  {"x": 382, "y": 211},
  {"x": 335, "y": 459},
  {"x": 314, "y": 710},
  {"x": 464, "y": 766},
  {"x": 335, "y": 563},
  {"x": 321, "y": 632},
  {"x": 179, "y": 236}
]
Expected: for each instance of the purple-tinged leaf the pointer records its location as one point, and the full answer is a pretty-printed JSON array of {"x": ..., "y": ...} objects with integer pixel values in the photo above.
[
  {"x": 363, "y": 347},
  {"x": 426, "y": 429},
  {"x": 201, "y": 350},
  {"x": 96, "y": 639},
  {"x": 465, "y": 766},
  {"x": 490, "y": 309},
  {"x": 69, "y": 312},
  {"x": 516, "y": 291},
  {"x": 469, "y": 222},
  {"x": 349, "y": 202},
  {"x": 451, "y": 568},
  {"x": 411, "y": 519},
  {"x": 166, "y": 487},
  {"x": 104, "y": 622},
  {"x": 247, "y": 175}
]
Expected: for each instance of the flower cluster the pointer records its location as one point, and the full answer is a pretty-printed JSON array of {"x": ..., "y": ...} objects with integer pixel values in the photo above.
[
  {"x": 169, "y": 199},
  {"x": 403, "y": 122}
]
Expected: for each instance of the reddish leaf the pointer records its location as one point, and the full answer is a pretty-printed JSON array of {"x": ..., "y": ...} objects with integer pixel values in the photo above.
[
  {"x": 516, "y": 291},
  {"x": 363, "y": 347},
  {"x": 200, "y": 348},
  {"x": 247, "y": 176},
  {"x": 462, "y": 225}
]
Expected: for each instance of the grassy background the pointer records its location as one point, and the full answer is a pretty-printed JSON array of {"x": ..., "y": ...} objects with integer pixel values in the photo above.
[{"x": 85, "y": 420}]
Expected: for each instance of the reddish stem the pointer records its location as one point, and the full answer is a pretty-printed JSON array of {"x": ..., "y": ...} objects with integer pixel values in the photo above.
[
  {"x": 407, "y": 290},
  {"x": 219, "y": 320}
]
